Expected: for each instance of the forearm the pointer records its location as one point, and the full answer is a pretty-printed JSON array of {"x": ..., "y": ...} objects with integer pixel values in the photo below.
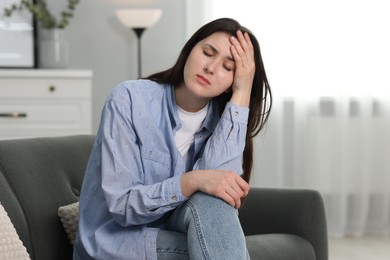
[
  {"x": 241, "y": 98},
  {"x": 223, "y": 150},
  {"x": 142, "y": 204}
]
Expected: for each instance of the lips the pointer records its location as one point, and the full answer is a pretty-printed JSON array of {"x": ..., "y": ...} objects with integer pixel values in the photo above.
[{"x": 203, "y": 80}]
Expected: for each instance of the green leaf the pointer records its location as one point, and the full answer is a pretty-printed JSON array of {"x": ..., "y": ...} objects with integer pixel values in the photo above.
[{"x": 42, "y": 14}]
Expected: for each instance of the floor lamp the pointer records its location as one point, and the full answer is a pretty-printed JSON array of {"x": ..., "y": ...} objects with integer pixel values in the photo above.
[{"x": 138, "y": 20}]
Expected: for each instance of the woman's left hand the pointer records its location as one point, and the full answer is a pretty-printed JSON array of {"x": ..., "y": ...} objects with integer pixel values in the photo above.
[{"x": 243, "y": 54}]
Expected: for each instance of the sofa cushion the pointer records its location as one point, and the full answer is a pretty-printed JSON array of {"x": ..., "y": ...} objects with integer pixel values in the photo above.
[
  {"x": 11, "y": 247},
  {"x": 279, "y": 247},
  {"x": 69, "y": 215}
]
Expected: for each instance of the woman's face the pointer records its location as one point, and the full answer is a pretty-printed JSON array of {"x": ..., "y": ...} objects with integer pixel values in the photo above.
[{"x": 209, "y": 69}]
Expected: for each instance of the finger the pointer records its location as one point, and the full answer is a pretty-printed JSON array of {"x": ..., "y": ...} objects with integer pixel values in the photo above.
[
  {"x": 245, "y": 42},
  {"x": 236, "y": 50},
  {"x": 242, "y": 51},
  {"x": 237, "y": 44},
  {"x": 235, "y": 192},
  {"x": 244, "y": 186},
  {"x": 232, "y": 198},
  {"x": 229, "y": 199},
  {"x": 237, "y": 183},
  {"x": 242, "y": 40},
  {"x": 237, "y": 189},
  {"x": 237, "y": 200},
  {"x": 247, "y": 46},
  {"x": 248, "y": 42}
]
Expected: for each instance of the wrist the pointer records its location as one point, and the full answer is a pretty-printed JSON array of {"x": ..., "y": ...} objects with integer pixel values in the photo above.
[
  {"x": 240, "y": 98},
  {"x": 189, "y": 184}
]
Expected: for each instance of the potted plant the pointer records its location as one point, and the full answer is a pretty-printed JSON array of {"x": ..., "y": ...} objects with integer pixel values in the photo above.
[
  {"x": 53, "y": 47},
  {"x": 41, "y": 13}
]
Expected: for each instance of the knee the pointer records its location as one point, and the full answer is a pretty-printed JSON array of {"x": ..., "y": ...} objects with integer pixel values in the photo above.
[{"x": 208, "y": 202}]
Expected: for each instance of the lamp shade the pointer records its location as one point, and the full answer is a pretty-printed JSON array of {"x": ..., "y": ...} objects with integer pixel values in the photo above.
[{"x": 138, "y": 18}]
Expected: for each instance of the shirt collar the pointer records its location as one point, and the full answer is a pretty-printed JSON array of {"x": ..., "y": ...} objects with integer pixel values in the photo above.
[
  {"x": 173, "y": 114},
  {"x": 212, "y": 117},
  {"x": 210, "y": 122}
]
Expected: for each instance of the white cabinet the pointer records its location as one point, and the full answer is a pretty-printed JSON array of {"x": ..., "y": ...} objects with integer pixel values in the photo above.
[{"x": 37, "y": 103}]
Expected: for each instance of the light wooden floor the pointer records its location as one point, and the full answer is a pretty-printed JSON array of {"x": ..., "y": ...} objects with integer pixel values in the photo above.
[{"x": 366, "y": 248}]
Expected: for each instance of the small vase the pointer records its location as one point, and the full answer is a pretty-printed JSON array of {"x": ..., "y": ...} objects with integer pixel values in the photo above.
[{"x": 53, "y": 49}]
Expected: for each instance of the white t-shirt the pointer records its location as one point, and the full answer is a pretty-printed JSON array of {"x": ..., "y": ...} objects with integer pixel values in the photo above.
[{"x": 190, "y": 122}]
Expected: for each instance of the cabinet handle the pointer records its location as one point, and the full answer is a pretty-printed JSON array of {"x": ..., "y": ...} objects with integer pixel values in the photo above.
[
  {"x": 52, "y": 88},
  {"x": 14, "y": 115}
]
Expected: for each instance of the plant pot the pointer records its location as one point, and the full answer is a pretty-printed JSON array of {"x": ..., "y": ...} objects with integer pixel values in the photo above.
[{"x": 53, "y": 49}]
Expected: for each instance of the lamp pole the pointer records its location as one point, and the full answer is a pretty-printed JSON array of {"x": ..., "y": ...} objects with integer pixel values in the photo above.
[
  {"x": 138, "y": 31},
  {"x": 138, "y": 20}
]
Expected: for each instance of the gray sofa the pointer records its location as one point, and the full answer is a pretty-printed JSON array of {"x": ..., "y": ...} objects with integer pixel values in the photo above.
[{"x": 41, "y": 174}]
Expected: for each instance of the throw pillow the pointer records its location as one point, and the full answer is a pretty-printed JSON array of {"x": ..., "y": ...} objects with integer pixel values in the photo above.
[
  {"x": 69, "y": 216},
  {"x": 11, "y": 247}
]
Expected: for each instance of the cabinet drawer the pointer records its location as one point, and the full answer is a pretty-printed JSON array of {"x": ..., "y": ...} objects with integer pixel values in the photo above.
[
  {"x": 40, "y": 102},
  {"x": 45, "y": 88},
  {"x": 44, "y": 115}
]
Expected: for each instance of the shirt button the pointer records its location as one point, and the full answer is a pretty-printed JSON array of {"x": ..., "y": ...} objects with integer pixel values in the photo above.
[
  {"x": 174, "y": 198},
  {"x": 236, "y": 113}
]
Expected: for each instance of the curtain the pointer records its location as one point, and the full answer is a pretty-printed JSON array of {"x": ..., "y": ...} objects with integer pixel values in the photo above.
[
  {"x": 337, "y": 145},
  {"x": 328, "y": 63}
]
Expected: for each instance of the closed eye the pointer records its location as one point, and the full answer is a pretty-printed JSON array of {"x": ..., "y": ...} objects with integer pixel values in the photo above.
[
  {"x": 209, "y": 50},
  {"x": 208, "y": 53},
  {"x": 228, "y": 68}
]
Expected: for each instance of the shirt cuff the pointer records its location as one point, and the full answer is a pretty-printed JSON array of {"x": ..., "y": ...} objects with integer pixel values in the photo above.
[
  {"x": 236, "y": 113},
  {"x": 173, "y": 192}
]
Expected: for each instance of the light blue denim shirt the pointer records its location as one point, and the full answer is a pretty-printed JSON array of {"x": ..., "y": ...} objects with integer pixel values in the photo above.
[{"x": 133, "y": 175}]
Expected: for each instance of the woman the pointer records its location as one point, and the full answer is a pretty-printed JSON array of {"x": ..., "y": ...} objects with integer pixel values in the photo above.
[{"x": 173, "y": 155}]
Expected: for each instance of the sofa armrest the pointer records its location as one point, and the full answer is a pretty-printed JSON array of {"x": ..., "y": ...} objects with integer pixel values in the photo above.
[
  {"x": 39, "y": 175},
  {"x": 291, "y": 211}
]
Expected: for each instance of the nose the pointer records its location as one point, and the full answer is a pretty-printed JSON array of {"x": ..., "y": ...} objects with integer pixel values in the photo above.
[{"x": 209, "y": 68}]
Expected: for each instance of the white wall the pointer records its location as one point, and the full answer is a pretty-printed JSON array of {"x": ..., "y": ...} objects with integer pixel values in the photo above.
[
  {"x": 99, "y": 42},
  {"x": 312, "y": 46}
]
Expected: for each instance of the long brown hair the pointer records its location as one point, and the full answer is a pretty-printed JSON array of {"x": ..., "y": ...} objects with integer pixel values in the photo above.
[{"x": 261, "y": 98}]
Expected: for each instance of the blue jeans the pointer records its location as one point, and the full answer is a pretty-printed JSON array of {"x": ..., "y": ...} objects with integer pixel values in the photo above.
[{"x": 204, "y": 227}]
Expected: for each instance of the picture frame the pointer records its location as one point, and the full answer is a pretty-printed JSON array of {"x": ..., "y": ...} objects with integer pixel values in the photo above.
[{"x": 18, "y": 34}]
